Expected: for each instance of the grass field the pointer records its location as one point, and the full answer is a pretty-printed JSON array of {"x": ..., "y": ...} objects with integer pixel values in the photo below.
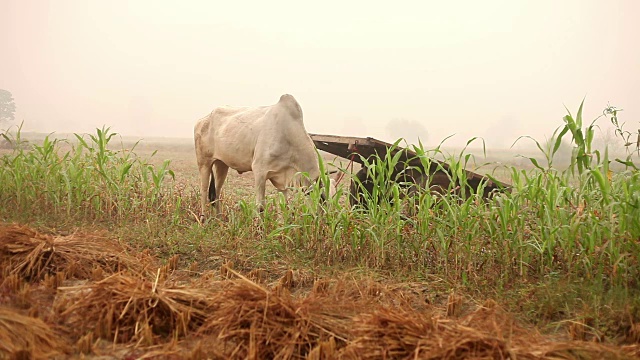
[{"x": 547, "y": 270}]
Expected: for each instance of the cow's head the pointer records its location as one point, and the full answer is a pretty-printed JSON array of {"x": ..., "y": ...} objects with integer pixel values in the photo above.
[
  {"x": 329, "y": 191},
  {"x": 326, "y": 184}
]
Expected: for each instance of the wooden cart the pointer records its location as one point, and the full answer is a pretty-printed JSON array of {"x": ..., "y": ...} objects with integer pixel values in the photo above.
[{"x": 410, "y": 167}]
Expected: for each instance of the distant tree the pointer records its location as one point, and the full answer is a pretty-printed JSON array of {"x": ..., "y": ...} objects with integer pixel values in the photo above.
[
  {"x": 7, "y": 106},
  {"x": 410, "y": 130}
]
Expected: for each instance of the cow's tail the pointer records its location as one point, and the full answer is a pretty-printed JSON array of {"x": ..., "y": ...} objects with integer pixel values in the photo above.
[{"x": 212, "y": 189}]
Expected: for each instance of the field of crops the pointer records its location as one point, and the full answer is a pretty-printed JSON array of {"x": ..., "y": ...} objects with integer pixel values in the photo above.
[{"x": 102, "y": 254}]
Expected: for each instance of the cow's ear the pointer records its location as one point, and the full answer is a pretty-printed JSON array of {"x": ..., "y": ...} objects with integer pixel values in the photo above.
[{"x": 333, "y": 187}]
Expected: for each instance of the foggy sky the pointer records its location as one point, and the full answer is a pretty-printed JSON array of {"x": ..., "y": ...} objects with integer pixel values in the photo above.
[{"x": 495, "y": 68}]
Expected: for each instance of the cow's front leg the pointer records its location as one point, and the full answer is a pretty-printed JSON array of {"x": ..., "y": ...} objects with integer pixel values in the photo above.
[{"x": 260, "y": 183}]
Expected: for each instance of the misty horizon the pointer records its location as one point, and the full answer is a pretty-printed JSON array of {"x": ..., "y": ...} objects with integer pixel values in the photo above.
[{"x": 496, "y": 70}]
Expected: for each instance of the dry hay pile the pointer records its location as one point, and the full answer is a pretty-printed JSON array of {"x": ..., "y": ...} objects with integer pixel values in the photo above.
[
  {"x": 486, "y": 333},
  {"x": 25, "y": 336},
  {"x": 252, "y": 321},
  {"x": 239, "y": 319},
  {"x": 33, "y": 255},
  {"x": 132, "y": 313},
  {"x": 123, "y": 308}
]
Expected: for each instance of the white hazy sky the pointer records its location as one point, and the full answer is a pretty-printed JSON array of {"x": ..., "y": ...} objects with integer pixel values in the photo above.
[{"x": 494, "y": 68}]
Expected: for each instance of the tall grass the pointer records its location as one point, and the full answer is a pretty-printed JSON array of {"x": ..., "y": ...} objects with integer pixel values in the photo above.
[
  {"x": 84, "y": 179},
  {"x": 582, "y": 222}
]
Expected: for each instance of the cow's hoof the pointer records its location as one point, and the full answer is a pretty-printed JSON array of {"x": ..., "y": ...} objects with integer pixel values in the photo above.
[{"x": 258, "y": 223}]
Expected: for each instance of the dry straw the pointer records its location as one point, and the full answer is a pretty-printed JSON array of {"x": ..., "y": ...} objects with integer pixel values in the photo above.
[
  {"x": 486, "y": 333},
  {"x": 33, "y": 255},
  {"x": 258, "y": 323},
  {"x": 126, "y": 308},
  {"x": 27, "y": 337},
  {"x": 230, "y": 316}
]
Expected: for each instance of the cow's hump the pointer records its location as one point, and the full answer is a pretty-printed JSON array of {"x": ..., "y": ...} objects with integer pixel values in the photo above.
[{"x": 291, "y": 104}]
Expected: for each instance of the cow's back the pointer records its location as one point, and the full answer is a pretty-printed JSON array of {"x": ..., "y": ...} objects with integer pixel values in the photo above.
[{"x": 233, "y": 133}]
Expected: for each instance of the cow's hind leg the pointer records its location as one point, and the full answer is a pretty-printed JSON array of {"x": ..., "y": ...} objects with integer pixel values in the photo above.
[
  {"x": 213, "y": 196},
  {"x": 220, "y": 171},
  {"x": 206, "y": 179}
]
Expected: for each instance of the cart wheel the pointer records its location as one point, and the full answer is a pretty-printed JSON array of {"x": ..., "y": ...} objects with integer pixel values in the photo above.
[
  {"x": 357, "y": 194},
  {"x": 411, "y": 181}
]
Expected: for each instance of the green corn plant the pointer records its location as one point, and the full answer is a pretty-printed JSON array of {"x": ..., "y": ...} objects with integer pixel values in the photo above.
[
  {"x": 88, "y": 181},
  {"x": 627, "y": 137}
]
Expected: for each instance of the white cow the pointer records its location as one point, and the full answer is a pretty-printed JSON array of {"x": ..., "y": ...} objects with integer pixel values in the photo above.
[{"x": 270, "y": 140}]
